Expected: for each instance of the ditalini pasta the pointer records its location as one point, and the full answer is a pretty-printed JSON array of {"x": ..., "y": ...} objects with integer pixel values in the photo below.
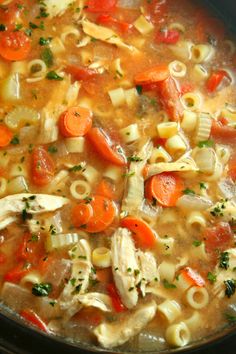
[{"x": 117, "y": 170}]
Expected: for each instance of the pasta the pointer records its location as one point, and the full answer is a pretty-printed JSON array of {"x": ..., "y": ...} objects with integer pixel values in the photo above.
[
  {"x": 178, "y": 335},
  {"x": 197, "y": 298},
  {"x": 170, "y": 309},
  {"x": 80, "y": 189}
]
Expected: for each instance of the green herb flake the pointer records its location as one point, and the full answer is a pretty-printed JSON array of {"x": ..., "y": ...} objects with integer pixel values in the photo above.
[
  {"x": 52, "y": 149},
  {"x": 15, "y": 140},
  {"x": 76, "y": 168},
  {"x": 202, "y": 185},
  {"x": 230, "y": 318},
  {"x": 52, "y": 75},
  {"x": 139, "y": 89},
  {"x": 230, "y": 287},
  {"x": 41, "y": 289},
  {"x": 211, "y": 277},
  {"x": 168, "y": 285},
  {"x": 47, "y": 57},
  {"x": 72, "y": 281},
  {"x": 224, "y": 260},
  {"x": 2, "y": 28},
  {"x": 197, "y": 243},
  {"x": 188, "y": 191},
  {"x": 44, "y": 41},
  {"x": 134, "y": 158},
  {"x": 206, "y": 143}
]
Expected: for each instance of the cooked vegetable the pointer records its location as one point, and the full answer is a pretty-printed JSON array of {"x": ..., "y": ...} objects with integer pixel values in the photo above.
[
  {"x": 30, "y": 316},
  {"x": 143, "y": 235},
  {"x": 14, "y": 45},
  {"x": 76, "y": 121},
  {"x": 6, "y": 136},
  {"x": 42, "y": 167}
]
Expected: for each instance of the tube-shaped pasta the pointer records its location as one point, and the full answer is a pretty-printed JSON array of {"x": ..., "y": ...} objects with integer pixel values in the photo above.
[
  {"x": 199, "y": 252},
  {"x": 194, "y": 321},
  {"x": 202, "y": 53},
  {"x": 130, "y": 133},
  {"x": 101, "y": 257},
  {"x": 175, "y": 144},
  {"x": 170, "y": 310},
  {"x": 10, "y": 88},
  {"x": 37, "y": 68},
  {"x": 182, "y": 50},
  {"x": 159, "y": 154},
  {"x": 203, "y": 130},
  {"x": 178, "y": 335},
  {"x": 80, "y": 189},
  {"x": 177, "y": 26},
  {"x": 33, "y": 277},
  {"x": 17, "y": 185},
  {"x": 197, "y": 297},
  {"x": 223, "y": 153},
  {"x": 113, "y": 172},
  {"x": 192, "y": 101},
  {"x": 166, "y": 244},
  {"x": 189, "y": 121},
  {"x": 58, "y": 181},
  {"x": 199, "y": 72},
  {"x": 90, "y": 174},
  {"x": 3, "y": 186},
  {"x": 167, "y": 271},
  {"x": 196, "y": 220},
  {"x": 57, "y": 47},
  {"x": 177, "y": 68},
  {"x": 117, "y": 97},
  {"x": 75, "y": 145},
  {"x": 143, "y": 25},
  {"x": 167, "y": 129},
  {"x": 117, "y": 69},
  {"x": 69, "y": 31},
  {"x": 131, "y": 97}
]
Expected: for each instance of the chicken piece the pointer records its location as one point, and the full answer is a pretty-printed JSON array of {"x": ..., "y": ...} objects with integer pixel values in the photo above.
[
  {"x": 79, "y": 280},
  {"x": 125, "y": 266},
  {"x": 105, "y": 34},
  {"x": 223, "y": 274},
  {"x": 185, "y": 163},
  {"x": 98, "y": 300},
  {"x": 57, "y": 8},
  {"x": 225, "y": 210},
  {"x": 134, "y": 193},
  {"x": 29, "y": 203},
  {"x": 148, "y": 270},
  {"x": 64, "y": 96},
  {"x": 110, "y": 335}
]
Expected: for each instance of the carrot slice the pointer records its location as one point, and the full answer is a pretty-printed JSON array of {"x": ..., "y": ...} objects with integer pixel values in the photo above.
[
  {"x": 223, "y": 133},
  {"x": 166, "y": 188},
  {"x": 30, "y": 316},
  {"x": 5, "y": 136},
  {"x": 143, "y": 235},
  {"x": 192, "y": 277},
  {"x": 14, "y": 45},
  {"x": 170, "y": 98},
  {"x": 76, "y": 121},
  {"x": 104, "y": 212},
  {"x": 106, "y": 189},
  {"x": 81, "y": 214},
  {"x": 151, "y": 76},
  {"x": 102, "y": 144}
]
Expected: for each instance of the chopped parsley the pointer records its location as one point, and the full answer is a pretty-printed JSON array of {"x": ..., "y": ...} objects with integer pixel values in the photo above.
[
  {"x": 230, "y": 287},
  {"x": 52, "y": 230},
  {"x": 218, "y": 210},
  {"x": 188, "y": 191},
  {"x": 230, "y": 318},
  {"x": 224, "y": 260},
  {"x": 52, "y": 75},
  {"x": 206, "y": 143},
  {"x": 42, "y": 289},
  {"x": 88, "y": 200},
  {"x": 2, "y": 27},
  {"x": 47, "y": 57},
  {"x": 168, "y": 285},
  {"x": 211, "y": 277},
  {"x": 44, "y": 41},
  {"x": 202, "y": 185},
  {"x": 52, "y": 149},
  {"x": 197, "y": 243},
  {"x": 129, "y": 174},
  {"x": 15, "y": 140},
  {"x": 72, "y": 281},
  {"x": 42, "y": 13},
  {"x": 134, "y": 158},
  {"x": 76, "y": 168},
  {"x": 139, "y": 89},
  {"x": 34, "y": 238}
]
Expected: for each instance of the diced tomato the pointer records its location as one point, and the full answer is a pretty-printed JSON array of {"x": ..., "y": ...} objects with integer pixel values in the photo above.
[
  {"x": 106, "y": 19},
  {"x": 215, "y": 80},
  {"x": 192, "y": 277},
  {"x": 223, "y": 133},
  {"x": 80, "y": 73},
  {"x": 15, "y": 274},
  {"x": 101, "y": 5},
  {"x": 159, "y": 142},
  {"x": 31, "y": 249},
  {"x": 170, "y": 98},
  {"x": 42, "y": 167},
  {"x": 115, "y": 298},
  {"x": 218, "y": 238},
  {"x": 10, "y": 15},
  {"x": 30, "y": 316},
  {"x": 223, "y": 121},
  {"x": 167, "y": 36},
  {"x": 232, "y": 168},
  {"x": 185, "y": 88}
]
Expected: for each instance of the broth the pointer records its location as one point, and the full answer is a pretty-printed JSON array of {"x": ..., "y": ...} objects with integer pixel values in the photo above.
[{"x": 117, "y": 170}]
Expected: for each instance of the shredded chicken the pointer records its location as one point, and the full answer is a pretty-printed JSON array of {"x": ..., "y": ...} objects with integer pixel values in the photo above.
[
  {"x": 111, "y": 335},
  {"x": 64, "y": 96},
  {"x": 125, "y": 266},
  {"x": 105, "y": 34},
  {"x": 79, "y": 280},
  {"x": 224, "y": 209},
  {"x": 185, "y": 163},
  {"x": 28, "y": 203},
  {"x": 134, "y": 193},
  {"x": 224, "y": 274},
  {"x": 98, "y": 300},
  {"x": 148, "y": 270}
]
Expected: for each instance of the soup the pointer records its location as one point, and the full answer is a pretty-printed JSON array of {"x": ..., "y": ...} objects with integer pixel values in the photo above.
[{"x": 117, "y": 170}]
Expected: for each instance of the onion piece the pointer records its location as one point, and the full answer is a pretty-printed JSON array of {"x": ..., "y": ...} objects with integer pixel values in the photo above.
[
  {"x": 227, "y": 188},
  {"x": 194, "y": 202},
  {"x": 17, "y": 297},
  {"x": 57, "y": 271}
]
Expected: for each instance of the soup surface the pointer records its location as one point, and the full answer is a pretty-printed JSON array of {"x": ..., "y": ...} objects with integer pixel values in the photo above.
[{"x": 118, "y": 170}]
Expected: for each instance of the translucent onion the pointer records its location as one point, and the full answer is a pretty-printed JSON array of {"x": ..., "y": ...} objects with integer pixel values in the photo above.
[
  {"x": 205, "y": 159},
  {"x": 194, "y": 202}
]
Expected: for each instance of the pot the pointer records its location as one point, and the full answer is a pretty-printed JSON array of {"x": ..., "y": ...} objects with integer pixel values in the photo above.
[{"x": 17, "y": 338}]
